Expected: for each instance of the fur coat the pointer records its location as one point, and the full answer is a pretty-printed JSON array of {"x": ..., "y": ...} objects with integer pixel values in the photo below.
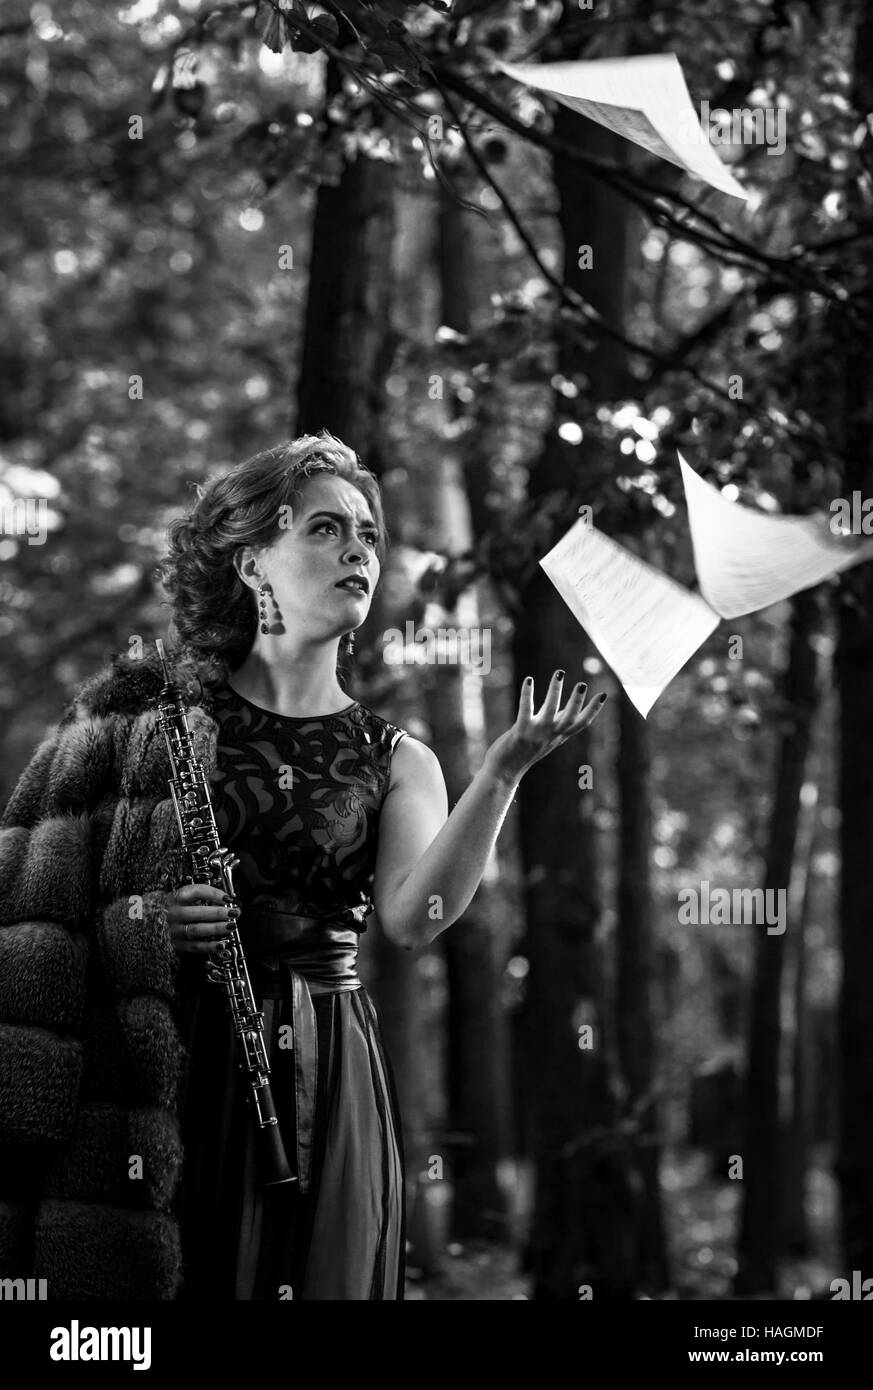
[{"x": 91, "y": 1058}]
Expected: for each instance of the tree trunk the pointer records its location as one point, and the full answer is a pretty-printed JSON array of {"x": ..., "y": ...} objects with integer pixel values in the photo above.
[
  {"x": 763, "y": 1149},
  {"x": 855, "y": 682},
  {"x": 796, "y": 1232},
  {"x": 634, "y": 979},
  {"x": 347, "y": 343},
  {"x": 476, "y": 948},
  {"x": 583, "y": 1231},
  {"x": 587, "y": 1228}
]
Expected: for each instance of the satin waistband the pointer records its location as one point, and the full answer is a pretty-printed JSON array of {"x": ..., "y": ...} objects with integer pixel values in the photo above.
[
  {"x": 293, "y": 957},
  {"x": 324, "y": 950}
]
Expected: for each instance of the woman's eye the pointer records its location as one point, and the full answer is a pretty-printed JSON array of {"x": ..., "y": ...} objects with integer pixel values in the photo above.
[{"x": 371, "y": 537}]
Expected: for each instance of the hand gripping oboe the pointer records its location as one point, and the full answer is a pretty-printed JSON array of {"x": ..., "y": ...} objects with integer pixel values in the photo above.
[{"x": 213, "y": 864}]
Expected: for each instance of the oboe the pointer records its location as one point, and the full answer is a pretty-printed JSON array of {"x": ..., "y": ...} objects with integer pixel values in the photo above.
[{"x": 211, "y": 863}]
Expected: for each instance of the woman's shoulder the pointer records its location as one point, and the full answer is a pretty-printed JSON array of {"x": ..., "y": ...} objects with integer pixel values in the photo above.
[
  {"x": 414, "y": 755},
  {"x": 411, "y": 758},
  {"x": 416, "y": 752},
  {"x": 377, "y": 726},
  {"x": 415, "y": 770}
]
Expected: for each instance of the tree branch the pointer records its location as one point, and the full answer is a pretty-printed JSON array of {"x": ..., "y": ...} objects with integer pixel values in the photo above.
[
  {"x": 726, "y": 246},
  {"x": 661, "y": 364}
]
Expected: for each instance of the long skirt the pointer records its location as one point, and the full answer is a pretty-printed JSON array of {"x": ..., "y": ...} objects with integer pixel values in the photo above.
[{"x": 342, "y": 1239}]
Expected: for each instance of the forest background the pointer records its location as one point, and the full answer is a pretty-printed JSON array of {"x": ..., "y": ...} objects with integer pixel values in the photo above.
[{"x": 225, "y": 225}]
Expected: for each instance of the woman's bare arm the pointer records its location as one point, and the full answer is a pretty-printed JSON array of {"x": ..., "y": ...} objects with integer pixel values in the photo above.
[{"x": 428, "y": 864}]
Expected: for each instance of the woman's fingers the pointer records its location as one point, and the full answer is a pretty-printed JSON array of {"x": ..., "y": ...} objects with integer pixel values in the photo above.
[
  {"x": 589, "y": 713},
  {"x": 199, "y": 912},
  {"x": 549, "y": 713},
  {"x": 197, "y": 902},
  {"x": 207, "y": 944},
  {"x": 573, "y": 708},
  {"x": 199, "y": 918},
  {"x": 192, "y": 894},
  {"x": 200, "y": 938},
  {"x": 553, "y": 697},
  {"x": 575, "y": 715},
  {"x": 526, "y": 700},
  {"x": 550, "y": 704}
]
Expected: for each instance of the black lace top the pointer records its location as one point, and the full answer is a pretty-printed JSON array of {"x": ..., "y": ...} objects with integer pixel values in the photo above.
[{"x": 298, "y": 800}]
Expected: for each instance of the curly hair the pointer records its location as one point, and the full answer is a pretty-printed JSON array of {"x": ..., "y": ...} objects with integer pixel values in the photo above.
[{"x": 214, "y": 612}]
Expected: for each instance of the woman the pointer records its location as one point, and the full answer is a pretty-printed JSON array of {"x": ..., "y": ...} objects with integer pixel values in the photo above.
[{"x": 332, "y": 812}]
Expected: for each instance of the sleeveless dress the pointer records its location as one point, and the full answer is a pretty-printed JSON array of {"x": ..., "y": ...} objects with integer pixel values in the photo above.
[{"x": 298, "y": 801}]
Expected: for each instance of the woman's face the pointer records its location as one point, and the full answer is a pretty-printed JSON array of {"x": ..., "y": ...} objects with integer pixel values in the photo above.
[{"x": 314, "y": 562}]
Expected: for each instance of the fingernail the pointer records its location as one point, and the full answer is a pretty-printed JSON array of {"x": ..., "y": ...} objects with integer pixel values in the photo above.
[
  {"x": 560, "y": 675},
  {"x": 528, "y": 680},
  {"x": 601, "y": 699}
]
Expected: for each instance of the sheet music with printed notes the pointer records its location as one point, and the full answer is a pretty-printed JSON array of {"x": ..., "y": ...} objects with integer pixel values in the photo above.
[
  {"x": 642, "y": 623},
  {"x": 646, "y": 626},
  {"x": 747, "y": 559},
  {"x": 645, "y": 99}
]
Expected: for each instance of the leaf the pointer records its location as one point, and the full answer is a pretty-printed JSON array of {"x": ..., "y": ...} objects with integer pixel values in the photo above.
[
  {"x": 327, "y": 28},
  {"x": 268, "y": 24},
  {"x": 390, "y": 52},
  {"x": 395, "y": 57},
  {"x": 302, "y": 43}
]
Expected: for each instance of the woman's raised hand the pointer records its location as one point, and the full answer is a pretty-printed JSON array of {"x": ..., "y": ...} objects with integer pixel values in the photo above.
[
  {"x": 534, "y": 735},
  {"x": 198, "y": 916}
]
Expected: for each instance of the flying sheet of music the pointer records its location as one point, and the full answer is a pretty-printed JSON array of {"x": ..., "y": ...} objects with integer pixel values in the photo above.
[
  {"x": 646, "y": 626},
  {"x": 747, "y": 559},
  {"x": 642, "y": 623},
  {"x": 645, "y": 99}
]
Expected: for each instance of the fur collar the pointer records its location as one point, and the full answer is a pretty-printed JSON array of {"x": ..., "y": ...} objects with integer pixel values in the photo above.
[{"x": 131, "y": 682}]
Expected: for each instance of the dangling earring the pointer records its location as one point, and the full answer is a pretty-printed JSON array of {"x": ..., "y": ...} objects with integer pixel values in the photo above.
[
  {"x": 268, "y": 625},
  {"x": 263, "y": 590},
  {"x": 350, "y": 642}
]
